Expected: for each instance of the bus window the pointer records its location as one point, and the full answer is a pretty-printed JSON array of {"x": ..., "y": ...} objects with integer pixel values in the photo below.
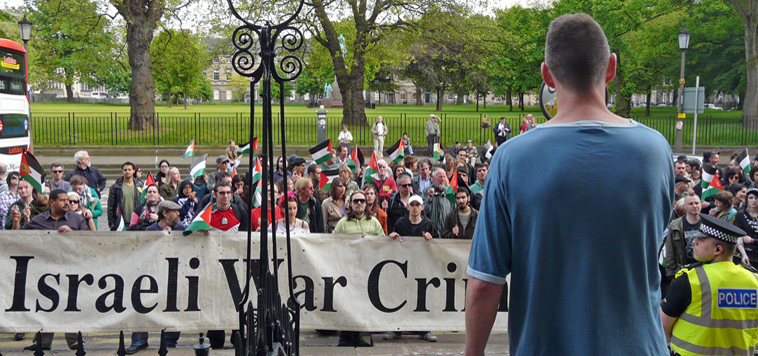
[{"x": 14, "y": 125}]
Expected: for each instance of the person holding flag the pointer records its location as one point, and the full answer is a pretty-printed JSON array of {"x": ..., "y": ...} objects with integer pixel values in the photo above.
[
  {"x": 297, "y": 226},
  {"x": 146, "y": 213},
  {"x": 396, "y": 152},
  {"x": 384, "y": 181},
  {"x": 170, "y": 190},
  {"x": 309, "y": 208}
]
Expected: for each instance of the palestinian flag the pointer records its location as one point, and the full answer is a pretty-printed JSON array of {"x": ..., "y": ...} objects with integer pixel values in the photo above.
[
  {"x": 397, "y": 151},
  {"x": 744, "y": 161},
  {"x": 190, "y": 152},
  {"x": 452, "y": 188},
  {"x": 198, "y": 167},
  {"x": 489, "y": 150},
  {"x": 201, "y": 222},
  {"x": 713, "y": 187},
  {"x": 148, "y": 182},
  {"x": 257, "y": 198},
  {"x": 121, "y": 226},
  {"x": 246, "y": 147},
  {"x": 327, "y": 176},
  {"x": 234, "y": 172},
  {"x": 438, "y": 154},
  {"x": 708, "y": 173},
  {"x": 32, "y": 172},
  {"x": 356, "y": 159},
  {"x": 322, "y": 152},
  {"x": 257, "y": 171},
  {"x": 372, "y": 170}
]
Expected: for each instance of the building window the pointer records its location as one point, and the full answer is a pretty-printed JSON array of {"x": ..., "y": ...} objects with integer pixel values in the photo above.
[
  {"x": 215, "y": 59},
  {"x": 229, "y": 95},
  {"x": 228, "y": 75},
  {"x": 414, "y": 96},
  {"x": 402, "y": 96},
  {"x": 215, "y": 95},
  {"x": 215, "y": 75}
]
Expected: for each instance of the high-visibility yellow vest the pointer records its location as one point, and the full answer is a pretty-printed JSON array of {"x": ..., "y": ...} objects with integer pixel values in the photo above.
[{"x": 723, "y": 316}]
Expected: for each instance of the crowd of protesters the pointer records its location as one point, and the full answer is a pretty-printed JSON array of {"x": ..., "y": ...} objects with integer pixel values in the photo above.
[{"x": 736, "y": 203}]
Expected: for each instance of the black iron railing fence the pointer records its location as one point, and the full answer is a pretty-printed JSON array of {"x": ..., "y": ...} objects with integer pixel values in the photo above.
[{"x": 217, "y": 129}]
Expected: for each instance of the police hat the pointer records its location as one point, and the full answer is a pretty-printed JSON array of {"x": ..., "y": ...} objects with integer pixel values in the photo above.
[{"x": 720, "y": 229}]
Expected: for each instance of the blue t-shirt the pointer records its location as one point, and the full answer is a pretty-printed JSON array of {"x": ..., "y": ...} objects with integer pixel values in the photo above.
[{"x": 576, "y": 214}]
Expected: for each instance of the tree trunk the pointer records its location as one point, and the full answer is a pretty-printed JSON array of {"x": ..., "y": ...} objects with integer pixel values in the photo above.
[
  {"x": 139, "y": 34},
  {"x": 647, "y": 105},
  {"x": 459, "y": 99},
  {"x": 622, "y": 104},
  {"x": 510, "y": 98},
  {"x": 750, "y": 107},
  {"x": 675, "y": 101},
  {"x": 484, "y": 100},
  {"x": 419, "y": 93},
  {"x": 69, "y": 93},
  {"x": 521, "y": 101},
  {"x": 477, "y": 101},
  {"x": 440, "y": 93},
  {"x": 169, "y": 98},
  {"x": 185, "y": 101}
]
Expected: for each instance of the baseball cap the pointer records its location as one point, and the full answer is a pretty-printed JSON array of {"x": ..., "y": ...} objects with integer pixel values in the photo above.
[
  {"x": 415, "y": 198},
  {"x": 221, "y": 159}
]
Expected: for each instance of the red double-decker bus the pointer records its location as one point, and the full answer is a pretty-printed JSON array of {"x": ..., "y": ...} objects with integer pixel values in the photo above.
[{"x": 15, "y": 125}]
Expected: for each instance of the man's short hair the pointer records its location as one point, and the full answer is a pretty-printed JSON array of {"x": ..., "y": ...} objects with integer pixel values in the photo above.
[
  {"x": 55, "y": 194},
  {"x": 459, "y": 150},
  {"x": 127, "y": 163},
  {"x": 404, "y": 175},
  {"x": 463, "y": 189},
  {"x": 694, "y": 164},
  {"x": 220, "y": 184},
  {"x": 341, "y": 146},
  {"x": 423, "y": 162},
  {"x": 479, "y": 165},
  {"x": 312, "y": 168},
  {"x": 78, "y": 156},
  {"x": 577, "y": 52},
  {"x": 55, "y": 164},
  {"x": 3, "y": 168},
  {"x": 221, "y": 175}
]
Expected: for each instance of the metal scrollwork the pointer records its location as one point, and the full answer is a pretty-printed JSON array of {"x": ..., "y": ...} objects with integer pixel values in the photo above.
[{"x": 289, "y": 68}]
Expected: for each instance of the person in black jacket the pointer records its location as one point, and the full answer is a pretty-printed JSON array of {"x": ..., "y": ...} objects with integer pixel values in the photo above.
[
  {"x": 146, "y": 214},
  {"x": 224, "y": 176},
  {"x": 415, "y": 224},
  {"x": 123, "y": 197},
  {"x": 397, "y": 203},
  {"x": 308, "y": 208},
  {"x": 461, "y": 222},
  {"x": 95, "y": 179}
]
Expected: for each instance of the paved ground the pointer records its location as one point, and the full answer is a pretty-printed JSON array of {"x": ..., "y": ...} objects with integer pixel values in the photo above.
[{"x": 106, "y": 344}]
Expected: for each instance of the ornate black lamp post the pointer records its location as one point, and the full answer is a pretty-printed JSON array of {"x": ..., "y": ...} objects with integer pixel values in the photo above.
[
  {"x": 272, "y": 328},
  {"x": 25, "y": 27}
]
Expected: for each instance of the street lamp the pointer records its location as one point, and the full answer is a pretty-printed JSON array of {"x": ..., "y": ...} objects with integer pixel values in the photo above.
[
  {"x": 684, "y": 42},
  {"x": 26, "y": 30}
]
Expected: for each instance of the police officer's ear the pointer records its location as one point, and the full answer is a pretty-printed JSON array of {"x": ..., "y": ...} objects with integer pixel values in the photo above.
[{"x": 719, "y": 249}]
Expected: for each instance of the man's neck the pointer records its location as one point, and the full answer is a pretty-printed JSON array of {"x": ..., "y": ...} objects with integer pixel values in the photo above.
[
  {"x": 219, "y": 207},
  {"x": 415, "y": 219},
  {"x": 576, "y": 107},
  {"x": 465, "y": 211},
  {"x": 163, "y": 224},
  {"x": 425, "y": 178},
  {"x": 58, "y": 181},
  {"x": 27, "y": 201},
  {"x": 303, "y": 201},
  {"x": 481, "y": 181},
  {"x": 128, "y": 180},
  {"x": 83, "y": 167},
  {"x": 13, "y": 190},
  {"x": 357, "y": 217},
  {"x": 57, "y": 214},
  {"x": 692, "y": 219}
]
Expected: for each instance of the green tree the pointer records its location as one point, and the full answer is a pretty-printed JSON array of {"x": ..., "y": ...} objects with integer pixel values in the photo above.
[
  {"x": 179, "y": 58},
  {"x": 239, "y": 86},
  {"x": 71, "y": 41},
  {"x": 747, "y": 10}
]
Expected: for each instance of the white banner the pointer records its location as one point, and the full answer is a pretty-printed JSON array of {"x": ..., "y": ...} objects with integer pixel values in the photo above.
[{"x": 140, "y": 281}]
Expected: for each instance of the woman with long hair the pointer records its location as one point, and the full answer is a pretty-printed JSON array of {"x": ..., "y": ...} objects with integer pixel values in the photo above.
[
  {"x": 187, "y": 200},
  {"x": 279, "y": 172},
  {"x": 333, "y": 207},
  {"x": 146, "y": 214},
  {"x": 297, "y": 226},
  {"x": 738, "y": 191},
  {"x": 162, "y": 177},
  {"x": 75, "y": 206},
  {"x": 372, "y": 205},
  {"x": 747, "y": 220}
]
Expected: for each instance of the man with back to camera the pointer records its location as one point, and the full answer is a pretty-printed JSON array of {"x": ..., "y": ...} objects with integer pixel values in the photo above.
[{"x": 569, "y": 294}]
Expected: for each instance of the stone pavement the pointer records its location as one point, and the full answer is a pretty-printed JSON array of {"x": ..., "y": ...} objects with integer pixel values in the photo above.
[{"x": 106, "y": 344}]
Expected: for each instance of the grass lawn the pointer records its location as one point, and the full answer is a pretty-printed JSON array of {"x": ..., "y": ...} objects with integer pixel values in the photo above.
[{"x": 61, "y": 123}]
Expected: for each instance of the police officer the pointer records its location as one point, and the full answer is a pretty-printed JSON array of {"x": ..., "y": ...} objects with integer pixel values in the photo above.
[{"x": 712, "y": 306}]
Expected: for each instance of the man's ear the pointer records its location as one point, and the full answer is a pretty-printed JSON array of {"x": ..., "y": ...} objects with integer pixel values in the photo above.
[
  {"x": 610, "y": 73},
  {"x": 547, "y": 77}
]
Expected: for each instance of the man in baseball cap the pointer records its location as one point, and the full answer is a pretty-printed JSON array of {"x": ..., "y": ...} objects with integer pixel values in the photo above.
[{"x": 712, "y": 305}]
